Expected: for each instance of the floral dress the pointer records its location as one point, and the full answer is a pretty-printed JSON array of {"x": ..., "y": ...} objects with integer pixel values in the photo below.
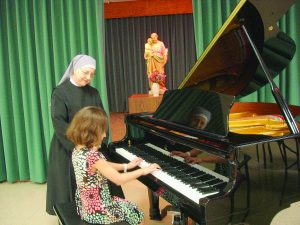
[{"x": 94, "y": 202}]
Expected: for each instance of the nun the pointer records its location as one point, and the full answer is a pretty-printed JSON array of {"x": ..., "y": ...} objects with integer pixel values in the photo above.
[
  {"x": 72, "y": 94},
  {"x": 200, "y": 118}
]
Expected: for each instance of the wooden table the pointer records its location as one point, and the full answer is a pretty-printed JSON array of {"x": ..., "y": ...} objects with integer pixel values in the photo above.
[{"x": 143, "y": 103}]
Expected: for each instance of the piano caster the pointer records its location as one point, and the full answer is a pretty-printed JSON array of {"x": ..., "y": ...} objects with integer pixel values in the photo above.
[{"x": 178, "y": 218}]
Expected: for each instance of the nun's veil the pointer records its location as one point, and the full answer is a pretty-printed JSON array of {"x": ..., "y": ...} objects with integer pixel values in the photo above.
[
  {"x": 79, "y": 61},
  {"x": 200, "y": 111}
]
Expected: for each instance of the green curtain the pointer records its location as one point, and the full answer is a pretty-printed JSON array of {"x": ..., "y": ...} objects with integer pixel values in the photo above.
[
  {"x": 38, "y": 38},
  {"x": 210, "y": 15}
]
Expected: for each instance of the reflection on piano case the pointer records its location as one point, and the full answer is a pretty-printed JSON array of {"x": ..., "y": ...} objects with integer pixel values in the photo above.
[{"x": 233, "y": 65}]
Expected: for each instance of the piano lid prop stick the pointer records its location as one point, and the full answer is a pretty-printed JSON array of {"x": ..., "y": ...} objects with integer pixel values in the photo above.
[{"x": 275, "y": 90}]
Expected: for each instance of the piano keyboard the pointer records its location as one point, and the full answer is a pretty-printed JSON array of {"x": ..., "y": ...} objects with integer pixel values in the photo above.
[{"x": 193, "y": 181}]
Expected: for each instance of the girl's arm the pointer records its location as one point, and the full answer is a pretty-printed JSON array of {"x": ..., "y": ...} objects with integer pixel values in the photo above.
[
  {"x": 208, "y": 159},
  {"x": 113, "y": 175},
  {"x": 121, "y": 167},
  {"x": 192, "y": 153}
]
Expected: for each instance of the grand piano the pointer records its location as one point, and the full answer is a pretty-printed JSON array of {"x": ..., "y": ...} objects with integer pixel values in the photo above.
[{"x": 246, "y": 53}]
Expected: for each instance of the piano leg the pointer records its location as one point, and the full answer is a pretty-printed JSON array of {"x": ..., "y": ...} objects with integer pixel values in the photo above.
[
  {"x": 116, "y": 190},
  {"x": 154, "y": 210},
  {"x": 156, "y": 214}
]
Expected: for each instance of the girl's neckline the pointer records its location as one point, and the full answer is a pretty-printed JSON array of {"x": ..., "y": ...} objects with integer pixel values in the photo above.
[{"x": 80, "y": 147}]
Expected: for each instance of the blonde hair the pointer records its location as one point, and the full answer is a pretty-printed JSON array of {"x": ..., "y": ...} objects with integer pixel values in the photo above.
[{"x": 88, "y": 126}]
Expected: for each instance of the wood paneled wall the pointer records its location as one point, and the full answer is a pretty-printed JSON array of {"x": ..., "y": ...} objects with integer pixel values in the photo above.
[{"x": 146, "y": 8}]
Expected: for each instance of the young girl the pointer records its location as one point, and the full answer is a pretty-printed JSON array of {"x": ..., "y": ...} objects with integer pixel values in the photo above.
[{"x": 93, "y": 199}]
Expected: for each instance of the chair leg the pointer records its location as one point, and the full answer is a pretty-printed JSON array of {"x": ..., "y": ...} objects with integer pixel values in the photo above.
[
  {"x": 231, "y": 208},
  {"x": 270, "y": 152},
  {"x": 264, "y": 153},
  {"x": 298, "y": 160},
  {"x": 232, "y": 203},
  {"x": 248, "y": 190},
  {"x": 257, "y": 153}
]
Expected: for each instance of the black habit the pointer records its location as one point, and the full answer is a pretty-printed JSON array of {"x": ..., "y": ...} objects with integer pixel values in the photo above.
[{"x": 67, "y": 99}]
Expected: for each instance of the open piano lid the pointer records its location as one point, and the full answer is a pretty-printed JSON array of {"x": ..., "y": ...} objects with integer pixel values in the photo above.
[
  {"x": 229, "y": 65},
  {"x": 230, "y": 68}
]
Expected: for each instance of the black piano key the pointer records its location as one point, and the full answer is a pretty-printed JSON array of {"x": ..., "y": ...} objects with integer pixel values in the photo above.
[
  {"x": 214, "y": 182},
  {"x": 208, "y": 191},
  {"x": 170, "y": 170},
  {"x": 220, "y": 186},
  {"x": 202, "y": 184},
  {"x": 194, "y": 181},
  {"x": 203, "y": 189}
]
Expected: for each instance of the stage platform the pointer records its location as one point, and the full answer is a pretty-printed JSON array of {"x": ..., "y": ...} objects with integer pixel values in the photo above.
[{"x": 143, "y": 103}]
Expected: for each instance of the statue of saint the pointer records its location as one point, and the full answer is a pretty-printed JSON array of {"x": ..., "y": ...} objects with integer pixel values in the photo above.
[{"x": 156, "y": 56}]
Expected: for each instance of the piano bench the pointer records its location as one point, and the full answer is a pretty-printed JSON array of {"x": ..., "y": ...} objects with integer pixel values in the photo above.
[{"x": 67, "y": 215}]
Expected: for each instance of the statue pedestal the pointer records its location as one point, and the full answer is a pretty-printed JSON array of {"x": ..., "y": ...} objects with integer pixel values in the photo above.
[
  {"x": 155, "y": 89},
  {"x": 143, "y": 103}
]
